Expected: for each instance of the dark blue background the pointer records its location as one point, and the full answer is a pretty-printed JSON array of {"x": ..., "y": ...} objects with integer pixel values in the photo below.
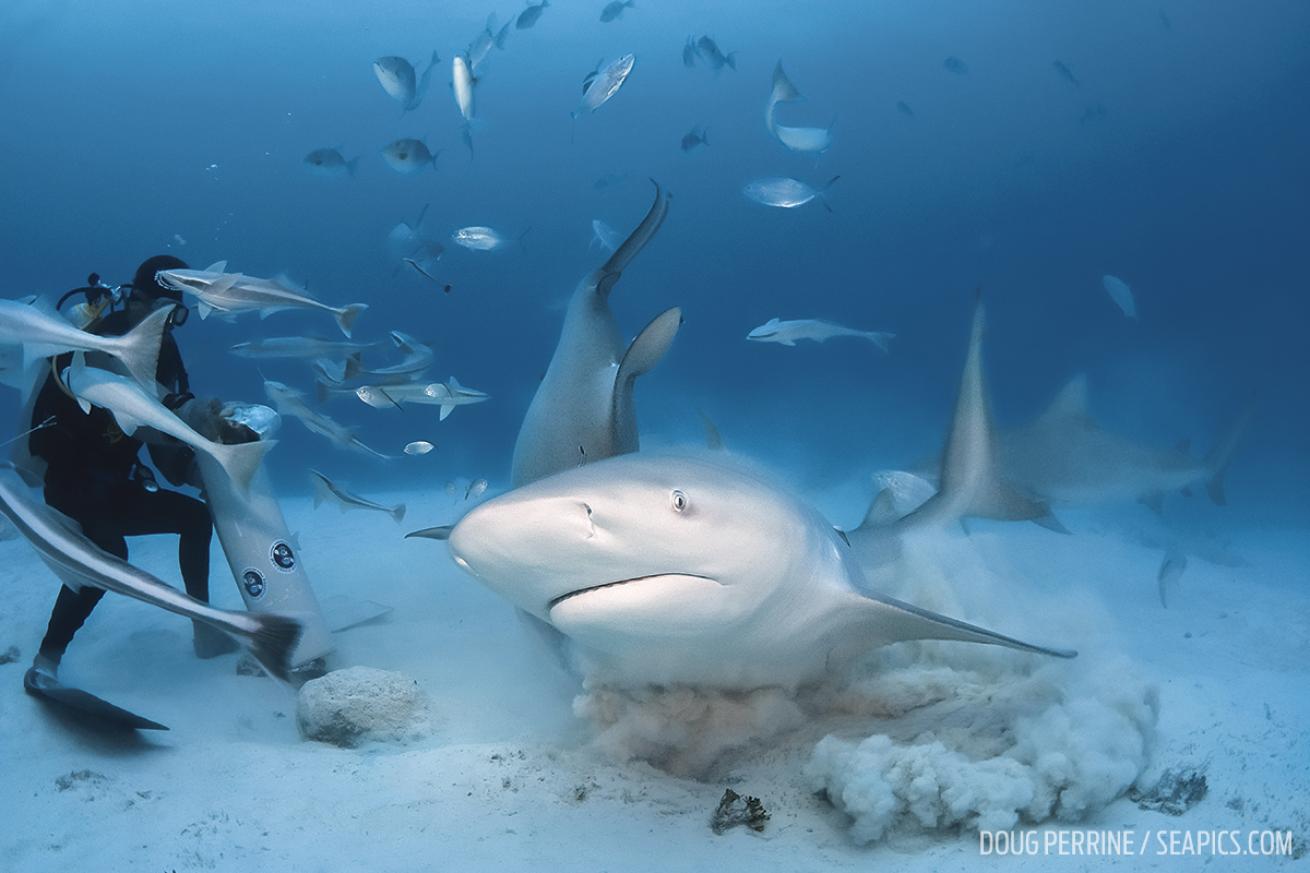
[{"x": 1191, "y": 187}]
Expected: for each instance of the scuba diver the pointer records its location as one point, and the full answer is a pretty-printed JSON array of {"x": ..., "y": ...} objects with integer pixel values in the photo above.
[{"x": 94, "y": 474}]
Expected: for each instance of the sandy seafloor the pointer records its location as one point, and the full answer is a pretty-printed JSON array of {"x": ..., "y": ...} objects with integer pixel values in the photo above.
[{"x": 510, "y": 778}]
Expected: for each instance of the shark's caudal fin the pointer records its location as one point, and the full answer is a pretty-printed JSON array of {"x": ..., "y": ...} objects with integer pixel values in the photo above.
[
  {"x": 880, "y": 338},
  {"x": 640, "y": 358},
  {"x": 893, "y": 621},
  {"x": 783, "y": 89},
  {"x": 273, "y": 641},
  {"x": 241, "y": 460},
  {"x": 398, "y": 513},
  {"x": 1222, "y": 455},
  {"x": 612, "y": 269},
  {"x": 138, "y": 349},
  {"x": 346, "y": 316}
]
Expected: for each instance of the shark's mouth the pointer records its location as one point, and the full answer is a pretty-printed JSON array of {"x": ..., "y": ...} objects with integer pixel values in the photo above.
[{"x": 589, "y": 589}]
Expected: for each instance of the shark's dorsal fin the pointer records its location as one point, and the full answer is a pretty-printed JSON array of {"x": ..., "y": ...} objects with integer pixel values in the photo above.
[{"x": 1070, "y": 403}]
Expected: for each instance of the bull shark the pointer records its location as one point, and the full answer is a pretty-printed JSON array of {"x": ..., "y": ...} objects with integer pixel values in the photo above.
[
  {"x": 678, "y": 569},
  {"x": 583, "y": 410},
  {"x": 1066, "y": 457},
  {"x": 270, "y": 638}
]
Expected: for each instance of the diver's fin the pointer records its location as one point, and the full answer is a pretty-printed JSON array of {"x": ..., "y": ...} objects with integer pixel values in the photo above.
[
  {"x": 441, "y": 532},
  {"x": 138, "y": 349},
  {"x": 612, "y": 269},
  {"x": 85, "y": 705},
  {"x": 891, "y": 621},
  {"x": 346, "y": 316}
]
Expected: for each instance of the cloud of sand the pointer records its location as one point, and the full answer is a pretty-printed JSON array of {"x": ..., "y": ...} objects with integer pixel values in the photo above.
[{"x": 926, "y": 736}]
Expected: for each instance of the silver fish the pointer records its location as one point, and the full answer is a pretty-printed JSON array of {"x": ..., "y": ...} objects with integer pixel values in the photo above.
[
  {"x": 419, "y": 447},
  {"x": 230, "y": 294},
  {"x": 697, "y": 136},
  {"x": 330, "y": 162},
  {"x": 481, "y": 239},
  {"x": 476, "y": 489},
  {"x": 297, "y": 348},
  {"x": 605, "y": 84},
  {"x": 614, "y": 9},
  {"x": 270, "y": 638},
  {"x": 290, "y": 403},
  {"x": 327, "y": 490},
  {"x": 709, "y": 51},
  {"x": 529, "y": 16},
  {"x": 604, "y": 236},
  {"x": 396, "y": 76},
  {"x": 408, "y": 156},
  {"x": 786, "y": 193}
]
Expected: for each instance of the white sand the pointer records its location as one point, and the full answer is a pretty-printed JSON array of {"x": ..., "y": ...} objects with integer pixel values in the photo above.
[{"x": 510, "y": 778}]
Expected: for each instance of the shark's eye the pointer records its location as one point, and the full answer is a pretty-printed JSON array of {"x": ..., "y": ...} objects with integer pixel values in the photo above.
[{"x": 679, "y": 501}]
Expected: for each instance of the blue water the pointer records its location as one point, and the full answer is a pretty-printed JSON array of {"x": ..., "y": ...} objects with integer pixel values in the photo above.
[{"x": 126, "y": 123}]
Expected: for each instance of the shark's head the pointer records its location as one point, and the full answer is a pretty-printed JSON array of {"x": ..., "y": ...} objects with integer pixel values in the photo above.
[
  {"x": 764, "y": 332},
  {"x": 638, "y": 548}
]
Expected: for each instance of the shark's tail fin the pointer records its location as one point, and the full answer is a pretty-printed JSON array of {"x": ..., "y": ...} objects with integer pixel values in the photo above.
[
  {"x": 138, "y": 349},
  {"x": 241, "y": 460},
  {"x": 636, "y": 241},
  {"x": 398, "y": 513},
  {"x": 274, "y": 641},
  {"x": 783, "y": 89},
  {"x": 879, "y": 338},
  {"x": 346, "y": 317},
  {"x": 1222, "y": 455}
]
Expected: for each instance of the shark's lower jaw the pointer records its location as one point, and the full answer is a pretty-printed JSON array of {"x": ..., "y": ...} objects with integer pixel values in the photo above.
[{"x": 594, "y": 588}]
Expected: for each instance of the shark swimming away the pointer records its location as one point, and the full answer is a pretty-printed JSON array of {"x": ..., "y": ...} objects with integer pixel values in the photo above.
[{"x": 1066, "y": 457}]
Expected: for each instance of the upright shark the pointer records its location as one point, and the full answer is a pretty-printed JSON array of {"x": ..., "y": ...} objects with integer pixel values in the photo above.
[
  {"x": 583, "y": 410},
  {"x": 1066, "y": 457},
  {"x": 679, "y": 569},
  {"x": 973, "y": 483}
]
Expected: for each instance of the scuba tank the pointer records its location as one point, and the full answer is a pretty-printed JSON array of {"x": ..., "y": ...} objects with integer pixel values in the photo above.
[{"x": 264, "y": 556}]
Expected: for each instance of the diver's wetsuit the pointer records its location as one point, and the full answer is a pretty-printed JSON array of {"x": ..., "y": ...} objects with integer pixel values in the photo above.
[{"x": 91, "y": 478}]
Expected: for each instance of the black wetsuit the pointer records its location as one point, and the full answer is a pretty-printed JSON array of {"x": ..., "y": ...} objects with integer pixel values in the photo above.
[{"x": 91, "y": 476}]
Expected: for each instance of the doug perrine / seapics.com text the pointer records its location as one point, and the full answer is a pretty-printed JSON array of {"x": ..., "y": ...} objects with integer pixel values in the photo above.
[{"x": 1163, "y": 842}]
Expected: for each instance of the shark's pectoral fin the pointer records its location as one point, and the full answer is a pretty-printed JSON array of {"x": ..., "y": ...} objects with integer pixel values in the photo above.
[
  {"x": 441, "y": 532},
  {"x": 889, "y": 620}
]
